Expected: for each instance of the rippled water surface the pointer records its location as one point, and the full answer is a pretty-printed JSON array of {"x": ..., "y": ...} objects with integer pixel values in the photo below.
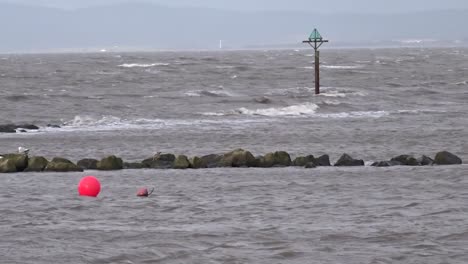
[
  {"x": 375, "y": 104},
  {"x": 327, "y": 215}
]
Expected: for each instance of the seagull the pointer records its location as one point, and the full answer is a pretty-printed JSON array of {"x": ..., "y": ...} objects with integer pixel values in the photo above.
[
  {"x": 156, "y": 156},
  {"x": 22, "y": 150}
]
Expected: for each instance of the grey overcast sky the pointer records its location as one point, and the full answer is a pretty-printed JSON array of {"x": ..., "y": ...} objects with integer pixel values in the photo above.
[{"x": 321, "y": 6}]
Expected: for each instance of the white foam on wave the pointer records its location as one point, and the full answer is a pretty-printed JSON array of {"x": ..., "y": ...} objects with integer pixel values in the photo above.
[
  {"x": 113, "y": 123},
  {"x": 293, "y": 110},
  {"x": 142, "y": 65}
]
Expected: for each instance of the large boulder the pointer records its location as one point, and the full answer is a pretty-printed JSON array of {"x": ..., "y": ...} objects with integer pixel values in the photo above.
[
  {"x": 110, "y": 163},
  {"x": 406, "y": 160},
  {"x": 303, "y": 161},
  {"x": 239, "y": 158},
  {"x": 446, "y": 158},
  {"x": 181, "y": 162},
  {"x": 161, "y": 161},
  {"x": 7, "y": 166},
  {"x": 276, "y": 159},
  {"x": 347, "y": 160},
  {"x": 212, "y": 160},
  {"x": 62, "y": 165},
  {"x": 37, "y": 164},
  {"x": 323, "y": 160},
  {"x": 20, "y": 160},
  {"x": 310, "y": 165},
  {"x": 88, "y": 164},
  {"x": 197, "y": 163}
]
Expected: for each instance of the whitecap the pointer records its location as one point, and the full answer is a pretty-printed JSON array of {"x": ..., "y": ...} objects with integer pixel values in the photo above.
[
  {"x": 142, "y": 65},
  {"x": 293, "y": 110}
]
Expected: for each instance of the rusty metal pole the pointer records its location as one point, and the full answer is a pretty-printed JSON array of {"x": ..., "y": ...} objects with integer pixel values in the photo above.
[{"x": 317, "y": 71}]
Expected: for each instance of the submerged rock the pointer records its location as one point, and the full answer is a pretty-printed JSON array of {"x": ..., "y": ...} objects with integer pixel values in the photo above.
[
  {"x": 110, "y": 163},
  {"x": 37, "y": 164},
  {"x": 239, "y": 158},
  {"x": 446, "y": 158},
  {"x": 88, "y": 164},
  {"x": 310, "y": 165},
  {"x": 181, "y": 162},
  {"x": 347, "y": 160},
  {"x": 62, "y": 165}
]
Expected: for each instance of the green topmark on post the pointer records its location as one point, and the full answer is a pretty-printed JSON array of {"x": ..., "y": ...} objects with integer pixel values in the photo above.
[{"x": 315, "y": 41}]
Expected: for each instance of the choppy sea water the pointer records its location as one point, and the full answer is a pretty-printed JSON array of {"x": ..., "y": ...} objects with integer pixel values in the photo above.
[{"x": 375, "y": 104}]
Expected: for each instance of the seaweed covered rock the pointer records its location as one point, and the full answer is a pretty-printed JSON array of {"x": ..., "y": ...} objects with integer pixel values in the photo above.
[
  {"x": 20, "y": 161},
  {"x": 276, "y": 159},
  {"x": 239, "y": 158},
  {"x": 62, "y": 165},
  {"x": 110, "y": 163},
  {"x": 37, "y": 164},
  {"x": 446, "y": 158},
  {"x": 406, "y": 160},
  {"x": 197, "y": 163},
  {"x": 212, "y": 160},
  {"x": 181, "y": 162},
  {"x": 347, "y": 160},
  {"x": 88, "y": 164},
  {"x": 160, "y": 161},
  {"x": 303, "y": 161},
  {"x": 7, "y": 166}
]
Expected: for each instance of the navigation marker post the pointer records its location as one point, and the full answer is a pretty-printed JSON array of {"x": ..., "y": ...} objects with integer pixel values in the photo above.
[{"x": 315, "y": 41}]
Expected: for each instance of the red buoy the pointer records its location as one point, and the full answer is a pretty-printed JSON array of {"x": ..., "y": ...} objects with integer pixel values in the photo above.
[
  {"x": 89, "y": 186},
  {"x": 143, "y": 192}
]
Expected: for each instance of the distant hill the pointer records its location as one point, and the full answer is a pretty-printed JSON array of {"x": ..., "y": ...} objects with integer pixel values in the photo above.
[{"x": 145, "y": 26}]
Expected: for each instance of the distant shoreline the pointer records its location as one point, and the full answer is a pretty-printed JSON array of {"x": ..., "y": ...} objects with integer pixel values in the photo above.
[{"x": 247, "y": 48}]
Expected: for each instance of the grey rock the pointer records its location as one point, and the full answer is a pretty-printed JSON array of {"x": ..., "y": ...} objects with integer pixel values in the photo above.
[
  {"x": 88, "y": 164},
  {"x": 347, "y": 160},
  {"x": 447, "y": 158},
  {"x": 323, "y": 160}
]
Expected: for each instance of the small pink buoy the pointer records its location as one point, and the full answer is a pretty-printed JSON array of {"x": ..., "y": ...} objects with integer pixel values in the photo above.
[{"x": 143, "y": 192}]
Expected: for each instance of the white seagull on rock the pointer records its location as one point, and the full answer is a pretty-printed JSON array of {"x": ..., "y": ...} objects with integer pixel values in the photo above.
[{"x": 22, "y": 150}]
